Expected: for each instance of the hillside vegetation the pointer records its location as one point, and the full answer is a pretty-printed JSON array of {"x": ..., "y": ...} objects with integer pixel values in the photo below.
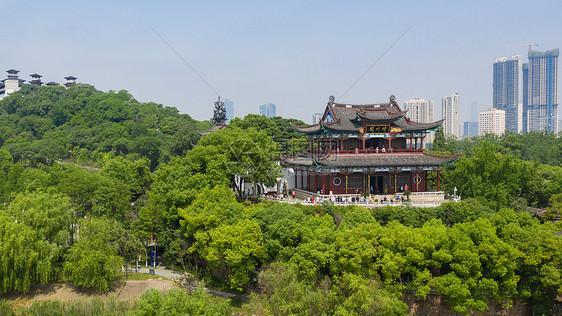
[{"x": 88, "y": 178}]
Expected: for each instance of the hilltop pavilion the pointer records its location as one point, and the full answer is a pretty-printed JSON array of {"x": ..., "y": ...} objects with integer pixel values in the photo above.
[{"x": 365, "y": 148}]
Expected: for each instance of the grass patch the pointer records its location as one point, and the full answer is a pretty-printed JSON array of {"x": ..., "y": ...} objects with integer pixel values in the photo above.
[{"x": 135, "y": 276}]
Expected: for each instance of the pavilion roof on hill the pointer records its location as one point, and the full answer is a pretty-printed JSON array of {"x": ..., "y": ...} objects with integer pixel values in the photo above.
[
  {"x": 352, "y": 117},
  {"x": 371, "y": 160},
  {"x": 215, "y": 127}
]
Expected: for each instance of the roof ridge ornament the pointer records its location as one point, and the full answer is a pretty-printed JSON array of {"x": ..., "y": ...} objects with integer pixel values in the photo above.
[
  {"x": 332, "y": 99},
  {"x": 392, "y": 98}
]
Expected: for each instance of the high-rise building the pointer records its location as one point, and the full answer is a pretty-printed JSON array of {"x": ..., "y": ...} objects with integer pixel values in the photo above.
[
  {"x": 316, "y": 117},
  {"x": 450, "y": 112},
  {"x": 506, "y": 89},
  {"x": 491, "y": 121},
  {"x": 525, "y": 119},
  {"x": 470, "y": 129},
  {"x": 540, "y": 100},
  {"x": 421, "y": 110},
  {"x": 268, "y": 110},
  {"x": 229, "y": 105}
]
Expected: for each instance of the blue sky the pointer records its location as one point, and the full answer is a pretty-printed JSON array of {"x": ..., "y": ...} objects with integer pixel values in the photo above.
[{"x": 291, "y": 53}]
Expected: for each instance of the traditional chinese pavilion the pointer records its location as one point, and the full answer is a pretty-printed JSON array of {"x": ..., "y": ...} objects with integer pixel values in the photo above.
[{"x": 365, "y": 148}]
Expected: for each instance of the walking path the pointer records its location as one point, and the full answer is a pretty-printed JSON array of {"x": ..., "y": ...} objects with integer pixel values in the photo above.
[{"x": 182, "y": 279}]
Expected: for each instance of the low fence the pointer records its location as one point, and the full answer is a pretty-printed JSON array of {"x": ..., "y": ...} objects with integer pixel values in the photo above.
[{"x": 417, "y": 199}]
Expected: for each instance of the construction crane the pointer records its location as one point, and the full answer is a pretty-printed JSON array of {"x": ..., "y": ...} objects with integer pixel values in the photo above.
[{"x": 530, "y": 45}]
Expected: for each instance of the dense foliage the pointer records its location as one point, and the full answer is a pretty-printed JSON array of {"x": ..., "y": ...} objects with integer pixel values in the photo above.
[
  {"x": 88, "y": 178},
  {"x": 540, "y": 147},
  {"x": 44, "y": 124}
]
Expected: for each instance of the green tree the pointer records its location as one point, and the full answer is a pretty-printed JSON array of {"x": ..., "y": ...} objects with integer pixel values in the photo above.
[
  {"x": 238, "y": 247},
  {"x": 25, "y": 257},
  {"x": 93, "y": 261},
  {"x": 233, "y": 153}
]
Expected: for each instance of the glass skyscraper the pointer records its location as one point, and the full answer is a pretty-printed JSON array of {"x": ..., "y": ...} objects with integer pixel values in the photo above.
[
  {"x": 229, "y": 105},
  {"x": 268, "y": 110},
  {"x": 540, "y": 96},
  {"x": 506, "y": 89}
]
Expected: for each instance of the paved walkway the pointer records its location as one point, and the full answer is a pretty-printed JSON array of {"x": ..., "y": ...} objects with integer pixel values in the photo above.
[
  {"x": 161, "y": 271},
  {"x": 179, "y": 276}
]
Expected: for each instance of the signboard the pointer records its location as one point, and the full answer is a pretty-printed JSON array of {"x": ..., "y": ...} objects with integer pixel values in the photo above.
[{"x": 377, "y": 129}]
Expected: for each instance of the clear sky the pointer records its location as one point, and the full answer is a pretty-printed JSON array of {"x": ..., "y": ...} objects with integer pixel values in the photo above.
[{"x": 291, "y": 53}]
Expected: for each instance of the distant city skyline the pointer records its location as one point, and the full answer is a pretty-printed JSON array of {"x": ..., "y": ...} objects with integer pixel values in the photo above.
[
  {"x": 421, "y": 110},
  {"x": 541, "y": 105},
  {"x": 492, "y": 121},
  {"x": 470, "y": 129},
  {"x": 229, "y": 106},
  {"x": 279, "y": 52},
  {"x": 316, "y": 117},
  {"x": 450, "y": 113},
  {"x": 268, "y": 109},
  {"x": 506, "y": 89}
]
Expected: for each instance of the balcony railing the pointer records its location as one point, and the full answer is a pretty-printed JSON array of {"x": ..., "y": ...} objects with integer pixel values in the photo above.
[{"x": 369, "y": 151}]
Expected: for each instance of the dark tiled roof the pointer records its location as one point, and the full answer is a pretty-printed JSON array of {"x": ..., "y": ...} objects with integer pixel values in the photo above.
[
  {"x": 350, "y": 118},
  {"x": 215, "y": 127},
  {"x": 373, "y": 160},
  {"x": 408, "y": 125},
  {"x": 380, "y": 115},
  {"x": 307, "y": 129}
]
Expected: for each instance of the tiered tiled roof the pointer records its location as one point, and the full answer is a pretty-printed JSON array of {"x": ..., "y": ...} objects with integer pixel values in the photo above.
[
  {"x": 415, "y": 159},
  {"x": 351, "y": 118}
]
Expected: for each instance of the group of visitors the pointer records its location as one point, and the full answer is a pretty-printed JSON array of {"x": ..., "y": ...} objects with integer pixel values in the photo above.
[{"x": 337, "y": 199}]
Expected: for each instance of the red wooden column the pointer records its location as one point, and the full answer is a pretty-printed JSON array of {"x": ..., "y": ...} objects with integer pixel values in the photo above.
[
  {"x": 296, "y": 179},
  {"x": 438, "y": 171},
  {"x": 323, "y": 184},
  {"x": 363, "y": 143},
  {"x": 302, "y": 178}
]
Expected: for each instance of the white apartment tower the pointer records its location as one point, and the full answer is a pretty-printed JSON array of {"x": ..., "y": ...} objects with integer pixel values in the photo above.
[
  {"x": 450, "y": 113},
  {"x": 421, "y": 110},
  {"x": 491, "y": 121}
]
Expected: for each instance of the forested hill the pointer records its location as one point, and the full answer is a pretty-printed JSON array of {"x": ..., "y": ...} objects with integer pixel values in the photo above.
[{"x": 43, "y": 124}]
